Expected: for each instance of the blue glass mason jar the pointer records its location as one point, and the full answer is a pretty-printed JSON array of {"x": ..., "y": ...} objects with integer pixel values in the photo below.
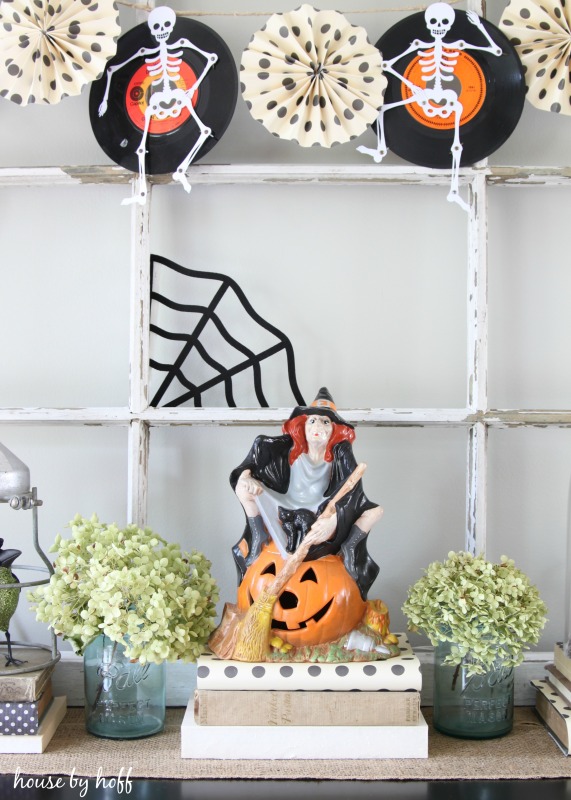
[
  {"x": 471, "y": 706},
  {"x": 123, "y": 699}
]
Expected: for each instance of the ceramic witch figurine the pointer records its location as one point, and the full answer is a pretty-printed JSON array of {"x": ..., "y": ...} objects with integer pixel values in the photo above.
[{"x": 304, "y": 570}]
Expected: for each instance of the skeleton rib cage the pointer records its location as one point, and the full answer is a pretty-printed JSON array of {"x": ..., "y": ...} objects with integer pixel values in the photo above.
[
  {"x": 171, "y": 68},
  {"x": 191, "y": 344},
  {"x": 439, "y": 69}
]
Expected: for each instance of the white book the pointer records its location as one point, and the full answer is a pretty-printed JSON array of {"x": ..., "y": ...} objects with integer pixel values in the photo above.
[
  {"x": 37, "y": 742},
  {"x": 398, "y": 674},
  {"x": 554, "y": 711},
  {"x": 560, "y": 682},
  {"x": 562, "y": 662},
  {"x": 302, "y": 742}
]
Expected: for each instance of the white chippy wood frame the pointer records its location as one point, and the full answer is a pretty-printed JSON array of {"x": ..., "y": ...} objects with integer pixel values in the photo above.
[{"x": 476, "y": 417}]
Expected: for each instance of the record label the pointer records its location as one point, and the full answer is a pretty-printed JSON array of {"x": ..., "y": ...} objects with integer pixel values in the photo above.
[
  {"x": 468, "y": 85},
  {"x": 139, "y": 91}
]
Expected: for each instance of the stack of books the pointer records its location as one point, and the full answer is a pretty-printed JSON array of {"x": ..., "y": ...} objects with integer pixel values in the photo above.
[
  {"x": 29, "y": 713},
  {"x": 282, "y": 710},
  {"x": 553, "y": 698}
]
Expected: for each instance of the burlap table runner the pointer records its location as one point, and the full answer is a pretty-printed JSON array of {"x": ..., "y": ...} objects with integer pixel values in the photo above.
[{"x": 527, "y": 752}]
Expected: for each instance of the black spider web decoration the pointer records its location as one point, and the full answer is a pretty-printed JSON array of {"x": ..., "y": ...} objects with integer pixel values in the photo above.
[{"x": 191, "y": 345}]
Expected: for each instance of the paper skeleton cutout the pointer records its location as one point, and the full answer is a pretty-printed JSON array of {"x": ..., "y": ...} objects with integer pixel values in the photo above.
[
  {"x": 438, "y": 61},
  {"x": 166, "y": 100}
]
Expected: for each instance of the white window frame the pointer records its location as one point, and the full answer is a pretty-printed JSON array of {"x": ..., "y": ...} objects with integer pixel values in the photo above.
[{"x": 476, "y": 417}]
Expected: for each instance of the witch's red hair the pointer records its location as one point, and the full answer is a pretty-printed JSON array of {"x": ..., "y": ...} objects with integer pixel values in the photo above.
[{"x": 296, "y": 429}]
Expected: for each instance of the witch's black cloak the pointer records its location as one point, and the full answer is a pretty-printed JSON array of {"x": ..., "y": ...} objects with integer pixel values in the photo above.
[{"x": 268, "y": 462}]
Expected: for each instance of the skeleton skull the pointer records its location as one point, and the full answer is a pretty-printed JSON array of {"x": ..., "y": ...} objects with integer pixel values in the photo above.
[
  {"x": 161, "y": 22},
  {"x": 439, "y": 18}
]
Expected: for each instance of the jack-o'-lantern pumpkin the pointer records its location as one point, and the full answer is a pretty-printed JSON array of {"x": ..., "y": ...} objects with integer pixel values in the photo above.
[{"x": 320, "y": 603}]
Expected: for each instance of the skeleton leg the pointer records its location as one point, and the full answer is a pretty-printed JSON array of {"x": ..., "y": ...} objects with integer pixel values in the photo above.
[
  {"x": 454, "y": 193},
  {"x": 205, "y": 132},
  {"x": 380, "y": 151},
  {"x": 140, "y": 194}
]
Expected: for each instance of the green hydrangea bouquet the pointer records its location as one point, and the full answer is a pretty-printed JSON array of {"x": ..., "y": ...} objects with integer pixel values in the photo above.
[
  {"x": 131, "y": 585},
  {"x": 490, "y": 612}
]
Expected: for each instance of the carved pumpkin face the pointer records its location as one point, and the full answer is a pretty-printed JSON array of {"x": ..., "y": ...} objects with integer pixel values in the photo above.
[{"x": 320, "y": 603}]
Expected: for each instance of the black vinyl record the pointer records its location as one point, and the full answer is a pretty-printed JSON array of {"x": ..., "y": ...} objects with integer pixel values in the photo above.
[
  {"x": 120, "y": 129},
  {"x": 490, "y": 88}
]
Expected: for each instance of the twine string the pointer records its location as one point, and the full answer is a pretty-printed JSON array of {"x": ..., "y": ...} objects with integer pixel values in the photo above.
[{"x": 149, "y": 7}]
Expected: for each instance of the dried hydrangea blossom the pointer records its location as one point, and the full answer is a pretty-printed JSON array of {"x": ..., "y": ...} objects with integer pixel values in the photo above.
[
  {"x": 131, "y": 585},
  {"x": 490, "y": 612}
]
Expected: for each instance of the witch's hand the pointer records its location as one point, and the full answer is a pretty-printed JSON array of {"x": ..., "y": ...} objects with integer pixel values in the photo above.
[{"x": 247, "y": 488}]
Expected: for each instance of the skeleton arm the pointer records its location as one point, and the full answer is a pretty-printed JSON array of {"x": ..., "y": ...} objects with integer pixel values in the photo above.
[
  {"x": 211, "y": 59},
  {"x": 143, "y": 51},
  {"x": 413, "y": 47},
  {"x": 492, "y": 47}
]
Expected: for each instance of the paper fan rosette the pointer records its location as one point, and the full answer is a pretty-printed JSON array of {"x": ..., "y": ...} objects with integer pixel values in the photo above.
[
  {"x": 541, "y": 35},
  {"x": 50, "y": 51},
  {"x": 312, "y": 77}
]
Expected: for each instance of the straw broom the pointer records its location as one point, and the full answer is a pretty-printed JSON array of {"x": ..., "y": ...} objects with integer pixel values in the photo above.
[{"x": 253, "y": 633}]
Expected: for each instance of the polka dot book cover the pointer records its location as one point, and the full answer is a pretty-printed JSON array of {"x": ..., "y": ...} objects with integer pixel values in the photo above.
[
  {"x": 23, "y": 717},
  {"x": 400, "y": 673}
]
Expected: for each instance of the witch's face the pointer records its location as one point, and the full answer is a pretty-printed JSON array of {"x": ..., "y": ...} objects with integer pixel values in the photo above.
[{"x": 318, "y": 429}]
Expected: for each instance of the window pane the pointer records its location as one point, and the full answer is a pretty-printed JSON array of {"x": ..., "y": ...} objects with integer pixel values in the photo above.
[
  {"x": 65, "y": 302},
  {"x": 529, "y": 478},
  {"x": 76, "y": 470},
  {"x": 368, "y": 282},
  {"x": 529, "y": 290}
]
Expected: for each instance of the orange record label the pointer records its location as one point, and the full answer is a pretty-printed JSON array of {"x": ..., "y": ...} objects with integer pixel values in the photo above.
[
  {"x": 467, "y": 83},
  {"x": 140, "y": 89}
]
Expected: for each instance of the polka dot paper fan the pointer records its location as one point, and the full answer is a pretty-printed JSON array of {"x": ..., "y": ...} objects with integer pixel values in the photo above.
[
  {"x": 541, "y": 35},
  {"x": 49, "y": 51},
  {"x": 312, "y": 77}
]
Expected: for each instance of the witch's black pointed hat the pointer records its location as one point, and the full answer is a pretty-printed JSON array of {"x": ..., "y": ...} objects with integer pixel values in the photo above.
[{"x": 324, "y": 405}]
